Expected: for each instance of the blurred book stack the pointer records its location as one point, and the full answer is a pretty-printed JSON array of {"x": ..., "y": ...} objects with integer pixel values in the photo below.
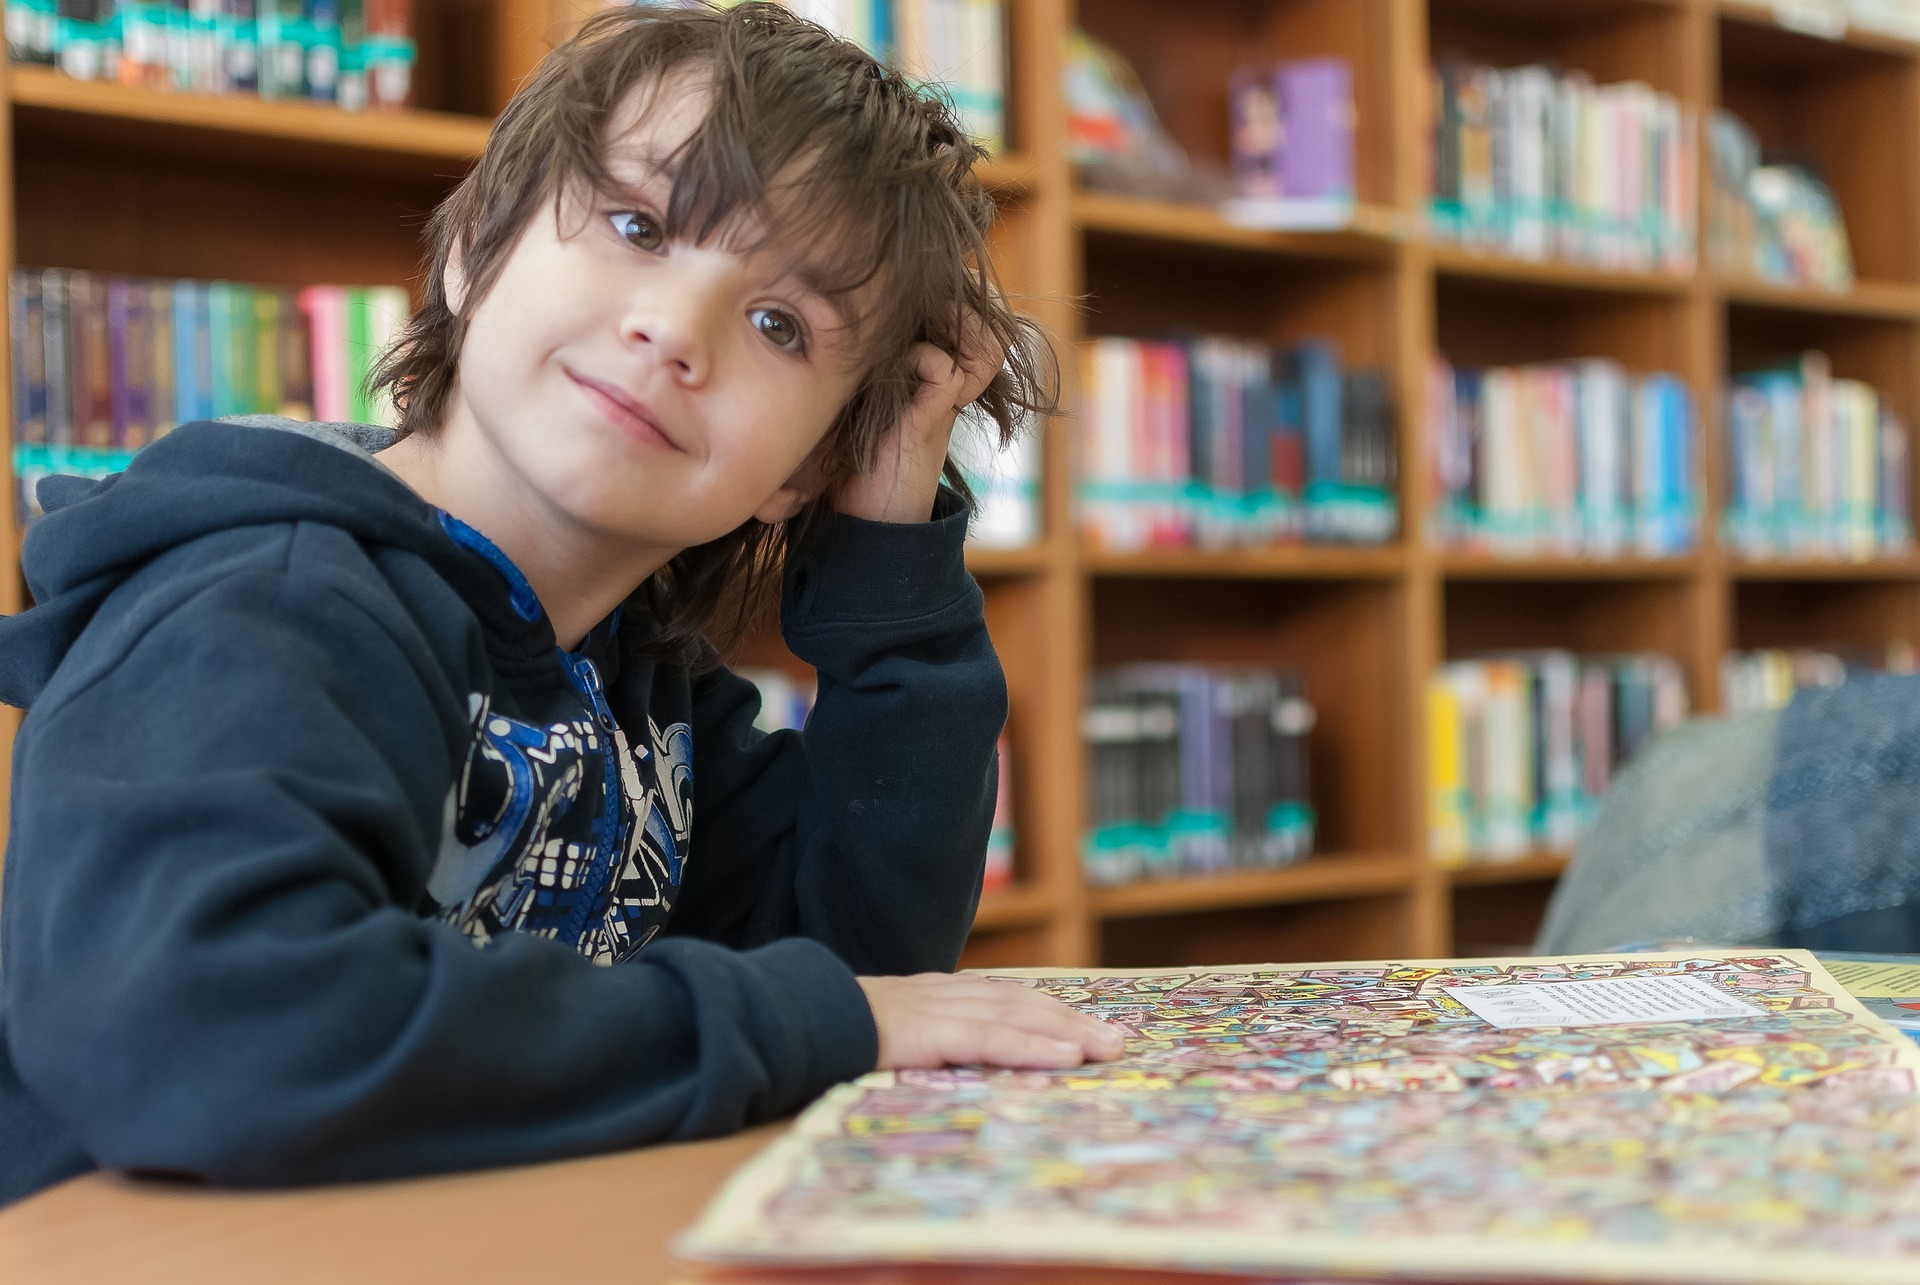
[
  {"x": 1221, "y": 443},
  {"x": 1568, "y": 458},
  {"x": 1775, "y": 222},
  {"x": 1521, "y": 746},
  {"x": 1195, "y": 770},
  {"x": 1540, "y": 165},
  {"x": 1816, "y": 466},
  {"x": 356, "y": 53},
  {"x": 104, "y": 364},
  {"x": 1767, "y": 678}
]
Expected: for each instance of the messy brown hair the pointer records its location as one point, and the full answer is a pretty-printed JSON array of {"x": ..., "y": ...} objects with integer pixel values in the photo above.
[{"x": 885, "y": 177}]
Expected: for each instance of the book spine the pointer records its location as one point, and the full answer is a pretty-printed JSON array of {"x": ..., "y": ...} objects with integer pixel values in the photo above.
[
  {"x": 282, "y": 43},
  {"x": 388, "y": 54},
  {"x": 135, "y": 429},
  {"x": 27, "y": 319},
  {"x": 162, "y": 401},
  {"x": 238, "y": 37},
  {"x": 320, "y": 37},
  {"x": 295, "y": 358},
  {"x": 33, "y": 32},
  {"x": 324, "y": 307},
  {"x": 244, "y": 362},
  {"x": 142, "y": 29},
  {"x": 221, "y": 398},
  {"x": 359, "y": 355},
  {"x": 92, "y": 362}
]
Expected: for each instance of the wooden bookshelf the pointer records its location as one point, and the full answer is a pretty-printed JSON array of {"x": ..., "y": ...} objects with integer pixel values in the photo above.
[{"x": 118, "y": 180}]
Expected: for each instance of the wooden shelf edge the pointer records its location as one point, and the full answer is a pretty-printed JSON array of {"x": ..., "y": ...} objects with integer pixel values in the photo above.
[
  {"x": 1372, "y": 237},
  {"x": 1319, "y": 878},
  {"x": 1018, "y": 907},
  {"x": 435, "y": 135},
  {"x": 1891, "y": 568},
  {"x": 1028, "y": 560},
  {"x": 1476, "y": 566},
  {"x": 1533, "y": 867},
  {"x": 1282, "y": 562},
  {"x": 1452, "y": 260},
  {"x": 1890, "y": 300}
]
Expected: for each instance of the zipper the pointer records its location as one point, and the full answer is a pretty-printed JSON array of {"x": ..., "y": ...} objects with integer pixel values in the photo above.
[{"x": 607, "y": 835}]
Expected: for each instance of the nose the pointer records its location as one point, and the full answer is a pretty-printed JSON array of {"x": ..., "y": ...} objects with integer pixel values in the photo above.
[{"x": 675, "y": 319}]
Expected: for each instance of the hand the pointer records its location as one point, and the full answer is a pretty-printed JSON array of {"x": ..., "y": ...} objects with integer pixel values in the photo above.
[
  {"x": 942, "y": 1019},
  {"x": 905, "y": 477}
]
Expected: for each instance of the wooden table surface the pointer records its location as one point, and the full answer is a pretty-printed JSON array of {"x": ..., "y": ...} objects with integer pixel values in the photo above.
[{"x": 607, "y": 1219}]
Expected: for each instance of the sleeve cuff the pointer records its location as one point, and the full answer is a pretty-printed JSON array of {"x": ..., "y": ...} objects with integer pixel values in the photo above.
[
  {"x": 859, "y": 570},
  {"x": 827, "y": 1007}
]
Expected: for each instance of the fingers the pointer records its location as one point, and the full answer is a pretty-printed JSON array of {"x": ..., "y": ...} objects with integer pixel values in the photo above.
[
  {"x": 942, "y": 379},
  {"x": 981, "y": 356},
  {"x": 999, "y": 1045},
  {"x": 962, "y": 1020},
  {"x": 1042, "y": 1015}
]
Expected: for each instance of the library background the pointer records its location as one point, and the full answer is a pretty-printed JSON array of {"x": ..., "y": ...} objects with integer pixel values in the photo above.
[{"x": 1459, "y": 392}]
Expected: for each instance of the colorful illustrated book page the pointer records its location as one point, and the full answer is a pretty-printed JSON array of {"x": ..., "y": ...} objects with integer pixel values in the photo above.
[{"x": 1718, "y": 1116}]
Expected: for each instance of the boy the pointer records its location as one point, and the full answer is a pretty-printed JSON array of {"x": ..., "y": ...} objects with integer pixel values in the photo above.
[{"x": 380, "y": 814}]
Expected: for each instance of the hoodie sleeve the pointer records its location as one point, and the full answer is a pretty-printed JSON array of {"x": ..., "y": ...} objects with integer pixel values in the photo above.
[
  {"x": 868, "y": 830},
  {"x": 213, "y": 965}
]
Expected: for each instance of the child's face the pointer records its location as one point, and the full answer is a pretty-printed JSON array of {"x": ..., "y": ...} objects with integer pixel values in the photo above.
[{"x": 653, "y": 392}]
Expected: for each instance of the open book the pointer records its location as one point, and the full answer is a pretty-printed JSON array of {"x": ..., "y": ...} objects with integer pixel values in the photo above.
[{"x": 1716, "y": 1116}]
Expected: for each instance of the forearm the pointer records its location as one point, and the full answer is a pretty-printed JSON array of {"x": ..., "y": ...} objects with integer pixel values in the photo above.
[{"x": 900, "y": 778}]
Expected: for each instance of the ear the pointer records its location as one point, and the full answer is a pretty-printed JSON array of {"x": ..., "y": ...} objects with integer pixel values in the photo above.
[
  {"x": 807, "y": 484},
  {"x": 454, "y": 279}
]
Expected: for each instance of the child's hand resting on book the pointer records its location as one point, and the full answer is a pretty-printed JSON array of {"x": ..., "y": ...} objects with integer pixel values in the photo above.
[
  {"x": 905, "y": 477},
  {"x": 943, "y": 1019}
]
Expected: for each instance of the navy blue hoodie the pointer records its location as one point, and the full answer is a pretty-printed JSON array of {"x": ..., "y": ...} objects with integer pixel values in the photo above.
[{"x": 326, "y": 863}]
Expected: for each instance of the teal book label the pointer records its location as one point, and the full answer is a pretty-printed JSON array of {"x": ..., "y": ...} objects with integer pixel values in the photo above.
[{"x": 87, "y": 40}]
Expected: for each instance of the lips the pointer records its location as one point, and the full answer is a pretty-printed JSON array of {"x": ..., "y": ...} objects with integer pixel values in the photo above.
[{"x": 631, "y": 417}]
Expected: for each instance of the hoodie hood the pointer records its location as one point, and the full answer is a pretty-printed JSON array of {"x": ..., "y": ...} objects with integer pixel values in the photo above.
[{"x": 202, "y": 478}]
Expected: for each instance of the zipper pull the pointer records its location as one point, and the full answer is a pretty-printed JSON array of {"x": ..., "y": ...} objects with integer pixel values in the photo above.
[{"x": 590, "y": 679}]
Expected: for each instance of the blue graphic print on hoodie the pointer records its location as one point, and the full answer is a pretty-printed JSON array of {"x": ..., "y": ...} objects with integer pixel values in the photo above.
[{"x": 325, "y": 863}]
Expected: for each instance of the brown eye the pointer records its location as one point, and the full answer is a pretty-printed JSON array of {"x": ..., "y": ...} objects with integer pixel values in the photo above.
[
  {"x": 640, "y": 230},
  {"x": 779, "y": 328}
]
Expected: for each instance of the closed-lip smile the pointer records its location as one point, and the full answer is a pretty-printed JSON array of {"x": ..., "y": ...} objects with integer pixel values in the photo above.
[{"x": 630, "y": 416}]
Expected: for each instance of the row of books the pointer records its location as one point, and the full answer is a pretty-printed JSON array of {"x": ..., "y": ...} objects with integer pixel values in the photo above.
[
  {"x": 959, "y": 45},
  {"x": 103, "y": 364},
  {"x": 785, "y": 701},
  {"x": 1522, "y": 746},
  {"x": 1293, "y": 128},
  {"x": 356, "y": 53},
  {"x": 1222, "y": 442},
  {"x": 1571, "y": 458},
  {"x": 1815, "y": 465},
  {"x": 1767, "y": 678},
  {"x": 1195, "y": 770},
  {"x": 1541, "y": 165},
  {"x": 1776, "y": 222}
]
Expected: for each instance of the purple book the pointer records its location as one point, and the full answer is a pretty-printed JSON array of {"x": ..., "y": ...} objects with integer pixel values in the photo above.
[{"x": 1316, "y": 102}]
